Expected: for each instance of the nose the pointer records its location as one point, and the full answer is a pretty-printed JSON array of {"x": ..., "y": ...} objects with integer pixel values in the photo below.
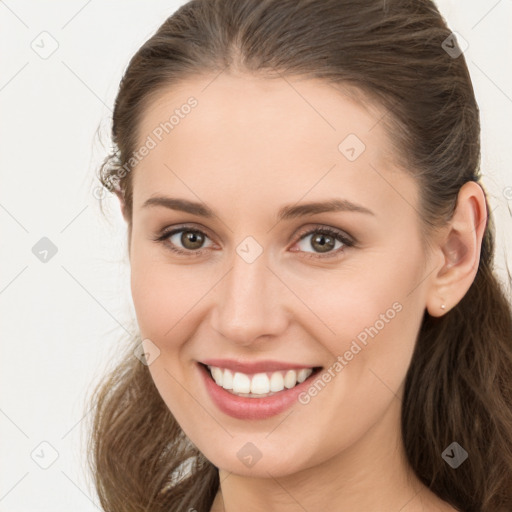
[{"x": 250, "y": 302}]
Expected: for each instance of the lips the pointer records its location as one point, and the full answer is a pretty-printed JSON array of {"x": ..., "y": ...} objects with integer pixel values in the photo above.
[{"x": 251, "y": 408}]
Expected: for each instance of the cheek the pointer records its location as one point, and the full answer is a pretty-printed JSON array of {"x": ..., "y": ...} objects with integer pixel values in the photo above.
[
  {"x": 370, "y": 318},
  {"x": 153, "y": 301},
  {"x": 375, "y": 323},
  {"x": 164, "y": 295}
]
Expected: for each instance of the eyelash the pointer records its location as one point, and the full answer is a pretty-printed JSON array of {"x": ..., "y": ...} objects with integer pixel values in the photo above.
[{"x": 324, "y": 230}]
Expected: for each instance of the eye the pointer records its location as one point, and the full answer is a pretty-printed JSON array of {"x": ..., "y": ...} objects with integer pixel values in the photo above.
[
  {"x": 185, "y": 240},
  {"x": 323, "y": 241}
]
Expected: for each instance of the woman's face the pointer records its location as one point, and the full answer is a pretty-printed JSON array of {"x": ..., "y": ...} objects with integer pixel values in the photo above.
[{"x": 251, "y": 286}]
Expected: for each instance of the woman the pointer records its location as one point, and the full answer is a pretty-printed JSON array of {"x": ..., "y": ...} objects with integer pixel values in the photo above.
[{"x": 311, "y": 266}]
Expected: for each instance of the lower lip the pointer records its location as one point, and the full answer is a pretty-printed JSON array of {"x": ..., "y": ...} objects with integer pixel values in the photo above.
[{"x": 245, "y": 408}]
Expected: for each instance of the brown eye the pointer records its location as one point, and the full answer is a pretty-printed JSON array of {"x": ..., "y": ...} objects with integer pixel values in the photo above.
[
  {"x": 185, "y": 241},
  {"x": 192, "y": 240},
  {"x": 322, "y": 242}
]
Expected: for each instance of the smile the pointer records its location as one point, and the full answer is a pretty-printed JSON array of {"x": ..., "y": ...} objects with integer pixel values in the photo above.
[
  {"x": 255, "y": 396},
  {"x": 258, "y": 385}
]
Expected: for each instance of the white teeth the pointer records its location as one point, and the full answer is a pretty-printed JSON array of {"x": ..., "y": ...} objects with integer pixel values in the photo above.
[
  {"x": 259, "y": 383},
  {"x": 227, "y": 379},
  {"x": 241, "y": 383},
  {"x": 217, "y": 375},
  {"x": 303, "y": 374},
  {"x": 276, "y": 382},
  {"x": 290, "y": 379}
]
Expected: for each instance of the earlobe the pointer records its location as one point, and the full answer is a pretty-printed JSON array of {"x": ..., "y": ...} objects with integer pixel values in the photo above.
[
  {"x": 124, "y": 212},
  {"x": 122, "y": 203},
  {"x": 458, "y": 251}
]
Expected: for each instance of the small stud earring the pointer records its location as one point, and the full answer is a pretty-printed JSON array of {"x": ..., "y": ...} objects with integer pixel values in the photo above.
[{"x": 443, "y": 306}]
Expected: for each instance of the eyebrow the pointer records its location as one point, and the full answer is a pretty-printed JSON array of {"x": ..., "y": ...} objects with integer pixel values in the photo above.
[{"x": 285, "y": 213}]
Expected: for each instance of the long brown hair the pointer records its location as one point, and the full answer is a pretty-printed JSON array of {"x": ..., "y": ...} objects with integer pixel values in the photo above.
[{"x": 459, "y": 384}]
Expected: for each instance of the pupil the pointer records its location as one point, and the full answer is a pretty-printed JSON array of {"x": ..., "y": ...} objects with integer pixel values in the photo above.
[
  {"x": 325, "y": 242},
  {"x": 191, "y": 238}
]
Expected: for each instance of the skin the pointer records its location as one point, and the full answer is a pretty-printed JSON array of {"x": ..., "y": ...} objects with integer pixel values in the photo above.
[{"x": 251, "y": 146}]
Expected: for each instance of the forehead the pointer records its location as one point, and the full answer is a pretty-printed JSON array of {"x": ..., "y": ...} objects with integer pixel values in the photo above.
[
  {"x": 270, "y": 108},
  {"x": 263, "y": 137}
]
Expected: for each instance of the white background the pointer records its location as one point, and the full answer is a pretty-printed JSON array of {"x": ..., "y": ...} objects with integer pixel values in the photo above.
[{"x": 62, "y": 321}]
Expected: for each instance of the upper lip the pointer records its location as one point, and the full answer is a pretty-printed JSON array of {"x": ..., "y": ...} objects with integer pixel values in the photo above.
[{"x": 254, "y": 366}]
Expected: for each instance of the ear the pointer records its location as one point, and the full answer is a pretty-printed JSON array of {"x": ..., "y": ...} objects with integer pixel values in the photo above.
[
  {"x": 457, "y": 251},
  {"x": 122, "y": 203}
]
